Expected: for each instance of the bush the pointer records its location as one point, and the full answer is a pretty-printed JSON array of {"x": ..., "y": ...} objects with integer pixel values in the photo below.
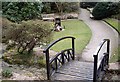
[
  {"x": 7, "y": 73},
  {"x": 25, "y": 36},
  {"x": 105, "y": 9}
]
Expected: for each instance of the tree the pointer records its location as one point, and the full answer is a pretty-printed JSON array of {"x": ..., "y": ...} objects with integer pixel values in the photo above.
[
  {"x": 25, "y": 36},
  {"x": 60, "y": 7},
  {"x": 19, "y": 11}
]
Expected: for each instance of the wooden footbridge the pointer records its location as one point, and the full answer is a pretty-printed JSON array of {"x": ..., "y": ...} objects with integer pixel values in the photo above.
[{"x": 63, "y": 65}]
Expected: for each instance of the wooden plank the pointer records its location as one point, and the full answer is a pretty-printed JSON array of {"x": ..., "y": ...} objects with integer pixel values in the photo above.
[
  {"x": 86, "y": 73},
  {"x": 60, "y": 76},
  {"x": 75, "y": 70}
]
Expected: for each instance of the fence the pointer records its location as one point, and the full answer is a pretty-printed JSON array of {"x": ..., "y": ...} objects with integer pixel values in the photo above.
[
  {"x": 101, "y": 64},
  {"x": 60, "y": 58}
]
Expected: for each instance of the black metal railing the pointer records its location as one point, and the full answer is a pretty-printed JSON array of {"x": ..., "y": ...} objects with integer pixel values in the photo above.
[
  {"x": 60, "y": 58},
  {"x": 101, "y": 64}
]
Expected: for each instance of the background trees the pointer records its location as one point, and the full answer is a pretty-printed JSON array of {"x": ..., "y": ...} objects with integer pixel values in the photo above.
[{"x": 60, "y": 7}]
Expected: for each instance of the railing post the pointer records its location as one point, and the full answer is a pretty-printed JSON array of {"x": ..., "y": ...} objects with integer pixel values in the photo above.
[
  {"x": 108, "y": 51},
  {"x": 95, "y": 68},
  {"x": 56, "y": 64},
  {"x": 73, "y": 48},
  {"x": 63, "y": 61},
  {"x": 47, "y": 64},
  {"x": 68, "y": 55}
]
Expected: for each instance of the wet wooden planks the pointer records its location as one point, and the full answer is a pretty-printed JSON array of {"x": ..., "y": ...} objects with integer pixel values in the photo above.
[{"x": 74, "y": 70}]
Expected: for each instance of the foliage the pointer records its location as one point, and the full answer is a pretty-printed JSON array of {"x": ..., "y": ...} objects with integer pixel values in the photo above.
[
  {"x": 87, "y": 4},
  {"x": 105, "y": 9},
  {"x": 46, "y": 7},
  {"x": 27, "y": 35},
  {"x": 7, "y": 73},
  {"x": 70, "y": 7},
  {"x": 59, "y": 7},
  {"x": 18, "y": 11}
]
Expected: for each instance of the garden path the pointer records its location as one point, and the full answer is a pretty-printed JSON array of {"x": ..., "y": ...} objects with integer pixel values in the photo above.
[{"x": 100, "y": 30}]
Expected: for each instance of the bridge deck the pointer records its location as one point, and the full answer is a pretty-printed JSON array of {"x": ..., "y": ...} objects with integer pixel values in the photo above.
[{"x": 74, "y": 70}]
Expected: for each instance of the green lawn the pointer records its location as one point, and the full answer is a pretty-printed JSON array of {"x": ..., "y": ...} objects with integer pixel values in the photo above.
[
  {"x": 116, "y": 57},
  {"x": 74, "y": 28},
  {"x": 115, "y": 23}
]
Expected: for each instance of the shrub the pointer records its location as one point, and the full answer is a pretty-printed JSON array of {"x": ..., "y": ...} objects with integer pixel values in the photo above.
[
  {"x": 105, "y": 9},
  {"x": 25, "y": 36},
  {"x": 7, "y": 73}
]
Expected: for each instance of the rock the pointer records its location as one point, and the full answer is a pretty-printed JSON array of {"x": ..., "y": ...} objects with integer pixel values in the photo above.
[
  {"x": 116, "y": 77},
  {"x": 39, "y": 52},
  {"x": 25, "y": 73},
  {"x": 114, "y": 66}
]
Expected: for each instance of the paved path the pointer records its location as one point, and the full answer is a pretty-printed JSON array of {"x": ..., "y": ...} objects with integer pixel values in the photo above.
[{"x": 100, "y": 31}]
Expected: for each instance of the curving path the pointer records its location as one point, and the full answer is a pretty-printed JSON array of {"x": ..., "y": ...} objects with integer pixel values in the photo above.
[{"x": 100, "y": 31}]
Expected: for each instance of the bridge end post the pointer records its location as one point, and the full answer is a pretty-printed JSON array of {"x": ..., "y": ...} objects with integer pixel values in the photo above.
[
  {"x": 95, "y": 68},
  {"x": 47, "y": 63},
  {"x": 73, "y": 48},
  {"x": 108, "y": 51}
]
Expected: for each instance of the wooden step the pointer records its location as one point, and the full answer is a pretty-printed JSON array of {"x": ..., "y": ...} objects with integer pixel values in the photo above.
[{"x": 74, "y": 70}]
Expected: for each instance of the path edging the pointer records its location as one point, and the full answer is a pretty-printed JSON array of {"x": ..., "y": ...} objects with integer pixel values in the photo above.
[{"x": 111, "y": 26}]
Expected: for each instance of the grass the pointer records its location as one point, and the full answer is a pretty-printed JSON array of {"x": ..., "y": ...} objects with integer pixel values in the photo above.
[
  {"x": 115, "y": 23},
  {"x": 74, "y": 28},
  {"x": 116, "y": 57}
]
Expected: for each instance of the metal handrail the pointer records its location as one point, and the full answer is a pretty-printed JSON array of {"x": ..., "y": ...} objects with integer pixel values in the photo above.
[
  {"x": 49, "y": 46},
  {"x": 46, "y": 51},
  {"x": 105, "y": 60}
]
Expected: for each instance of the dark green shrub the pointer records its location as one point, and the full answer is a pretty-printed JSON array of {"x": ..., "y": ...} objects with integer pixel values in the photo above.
[
  {"x": 7, "y": 73},
  {"x": 105, "y": 9}
]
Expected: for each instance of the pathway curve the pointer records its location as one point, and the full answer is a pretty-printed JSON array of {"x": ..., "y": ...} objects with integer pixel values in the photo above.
[{"x": 100, "y": 31}]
